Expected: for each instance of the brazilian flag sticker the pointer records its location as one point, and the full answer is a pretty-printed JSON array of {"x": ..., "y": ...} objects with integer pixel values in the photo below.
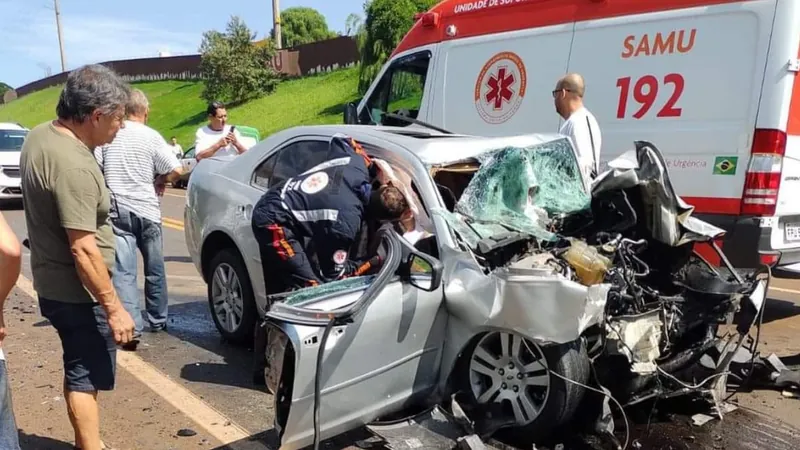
[{"x": 725, "y": 165}]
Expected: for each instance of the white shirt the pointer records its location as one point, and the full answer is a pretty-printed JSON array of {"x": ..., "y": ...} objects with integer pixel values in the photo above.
[
  {"x": 205, "y": 137},
  {"x": 177, "y": 149},
  {"x": 578, "y": 129},
  {"x": 130, "y": 165}
]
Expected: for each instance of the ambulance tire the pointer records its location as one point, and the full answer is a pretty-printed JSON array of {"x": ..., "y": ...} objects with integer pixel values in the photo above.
[
  {"x": 227, "y": 259},
  {"x": 569, "y": 360}
]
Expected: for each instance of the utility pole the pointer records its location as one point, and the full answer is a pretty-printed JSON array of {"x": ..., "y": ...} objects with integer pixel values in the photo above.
[
  {"x": 276, "y": 23},
  {"x": 60, "y": 39}
]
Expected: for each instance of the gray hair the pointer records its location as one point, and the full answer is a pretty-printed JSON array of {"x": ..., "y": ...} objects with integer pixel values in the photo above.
[
  {"x": 137, "y": 103},
  {"x": 90, "y": 88}
]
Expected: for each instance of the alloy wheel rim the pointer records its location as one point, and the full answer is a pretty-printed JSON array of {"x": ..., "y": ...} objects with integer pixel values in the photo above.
[
  {"x": 226, "y": 296},
  {"x": 510, "y": 373}
]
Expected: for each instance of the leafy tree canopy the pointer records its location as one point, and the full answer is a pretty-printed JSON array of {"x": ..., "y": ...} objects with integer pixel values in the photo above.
[
  {"x": 386, "y": 24},
  {"x": 303, "y": 25},
  {"x": 235, "y": 70}
]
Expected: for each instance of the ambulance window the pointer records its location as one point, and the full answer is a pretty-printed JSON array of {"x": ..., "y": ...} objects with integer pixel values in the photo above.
[{"x": 399, "y": 91}]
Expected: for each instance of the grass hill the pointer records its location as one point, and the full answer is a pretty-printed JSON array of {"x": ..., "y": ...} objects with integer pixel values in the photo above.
[{"x": 177, "y": 110}]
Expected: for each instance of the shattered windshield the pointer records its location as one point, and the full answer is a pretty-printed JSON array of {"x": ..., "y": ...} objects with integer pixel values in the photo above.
[{"x": 520, "y": 189}]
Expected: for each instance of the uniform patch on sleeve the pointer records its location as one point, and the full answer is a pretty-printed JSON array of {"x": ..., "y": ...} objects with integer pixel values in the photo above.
[
  {"x": 339, "y": 257},
  {"x": 314, "y": 183}
]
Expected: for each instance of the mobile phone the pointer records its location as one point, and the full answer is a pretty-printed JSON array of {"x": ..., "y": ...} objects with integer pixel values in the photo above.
[{"x": 233, "y": 128}]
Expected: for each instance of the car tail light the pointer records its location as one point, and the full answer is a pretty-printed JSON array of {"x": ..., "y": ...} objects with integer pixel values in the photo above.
[
  {"x": 763, "y": 177},
  {"x": 769, "y": 259}
]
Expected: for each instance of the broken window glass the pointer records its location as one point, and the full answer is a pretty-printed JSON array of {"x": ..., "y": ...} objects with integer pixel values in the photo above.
[
  {"x": 300, "y": 296},
  {"x": 521, "y": 188}
]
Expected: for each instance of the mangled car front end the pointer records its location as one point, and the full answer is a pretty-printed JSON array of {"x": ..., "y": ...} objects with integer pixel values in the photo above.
[{"x": 553, "y": 289}]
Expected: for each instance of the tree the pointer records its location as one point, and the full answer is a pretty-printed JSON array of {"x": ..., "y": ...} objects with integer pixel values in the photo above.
[
  {"x": 3, "y": 89},
  {"x": 302, "y": 25},
  {"x": 387, "y": 22},
  {"x": 352, "y": 24},
  {"x": 234, "y": 69}
]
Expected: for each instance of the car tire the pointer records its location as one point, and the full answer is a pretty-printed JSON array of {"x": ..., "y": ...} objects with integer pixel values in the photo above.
[
  {"x": 563, "y": 399},
  {"x": 230, "y": 261}
]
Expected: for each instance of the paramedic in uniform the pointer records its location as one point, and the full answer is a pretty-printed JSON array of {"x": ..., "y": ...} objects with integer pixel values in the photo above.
[
  {"x": 579, "y": 124},
  {"x": 324, "y": 205}
]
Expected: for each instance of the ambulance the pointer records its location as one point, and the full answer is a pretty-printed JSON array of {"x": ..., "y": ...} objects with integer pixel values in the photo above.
[{"x": 713, "y": 84}]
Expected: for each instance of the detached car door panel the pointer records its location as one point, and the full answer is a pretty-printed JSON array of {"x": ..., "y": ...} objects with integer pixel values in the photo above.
[{"x": 387, "y": 354}]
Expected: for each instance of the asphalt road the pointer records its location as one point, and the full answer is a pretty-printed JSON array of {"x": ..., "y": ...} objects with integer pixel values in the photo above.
[{"x": 189, "y": 379}]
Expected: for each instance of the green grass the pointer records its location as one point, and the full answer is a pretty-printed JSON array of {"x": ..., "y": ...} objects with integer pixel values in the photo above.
[{"x": 177, "y": 110}]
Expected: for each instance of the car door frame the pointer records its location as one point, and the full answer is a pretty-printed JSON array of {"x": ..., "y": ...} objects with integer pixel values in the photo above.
[
  {"x": 248, "y": 242},
  {"x": 403, "y": 363}
]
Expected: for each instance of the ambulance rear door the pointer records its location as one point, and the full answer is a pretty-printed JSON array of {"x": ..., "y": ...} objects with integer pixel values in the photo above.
[{"x": 688, "y": 80}]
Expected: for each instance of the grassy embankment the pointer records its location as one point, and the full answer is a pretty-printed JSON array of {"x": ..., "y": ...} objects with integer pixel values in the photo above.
[{"x": 177, "y": 110}]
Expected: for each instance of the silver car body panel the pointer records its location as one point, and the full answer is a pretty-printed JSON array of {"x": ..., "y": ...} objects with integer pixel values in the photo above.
[{"x": 404, "y": 346}]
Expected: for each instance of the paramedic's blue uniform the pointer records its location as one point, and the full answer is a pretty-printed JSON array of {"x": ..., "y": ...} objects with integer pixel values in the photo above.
[{"x": 324, "y": 205}]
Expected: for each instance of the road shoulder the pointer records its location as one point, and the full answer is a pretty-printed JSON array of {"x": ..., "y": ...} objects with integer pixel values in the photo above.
[{"x": 133, "y": 416}]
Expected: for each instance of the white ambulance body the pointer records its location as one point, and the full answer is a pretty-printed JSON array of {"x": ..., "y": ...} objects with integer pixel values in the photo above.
[{"x": 713, "y": 84}]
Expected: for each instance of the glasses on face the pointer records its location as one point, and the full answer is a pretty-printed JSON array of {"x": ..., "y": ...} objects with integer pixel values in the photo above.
[{"x": 558, "y": 91}]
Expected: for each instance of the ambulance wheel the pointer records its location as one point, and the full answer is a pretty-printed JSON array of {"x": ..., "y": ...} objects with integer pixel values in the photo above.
[
  {"x": 512, "y": 378},
  {"x": 230, "y": 298}
]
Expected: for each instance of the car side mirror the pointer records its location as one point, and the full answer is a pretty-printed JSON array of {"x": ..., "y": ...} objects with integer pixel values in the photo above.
[
  {"x": 350, "y": 114},
  {"x": 423, "y": 271}
]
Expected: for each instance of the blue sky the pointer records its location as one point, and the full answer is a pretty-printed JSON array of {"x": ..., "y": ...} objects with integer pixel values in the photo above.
[{"x": 102, "y": 30}]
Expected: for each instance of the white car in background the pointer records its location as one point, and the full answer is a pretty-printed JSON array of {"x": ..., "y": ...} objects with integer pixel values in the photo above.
[{"x": 12, "y": 136}]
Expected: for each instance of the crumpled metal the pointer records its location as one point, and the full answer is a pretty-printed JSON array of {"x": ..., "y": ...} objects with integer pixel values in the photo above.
[{"x": 668, "y": 217}]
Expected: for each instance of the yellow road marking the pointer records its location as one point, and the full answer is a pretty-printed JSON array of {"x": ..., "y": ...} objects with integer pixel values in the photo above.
[
  {"x": 214, "y": 422},
  {"x": 788, "y": 291},
  {"x": 175, "y": 224}
]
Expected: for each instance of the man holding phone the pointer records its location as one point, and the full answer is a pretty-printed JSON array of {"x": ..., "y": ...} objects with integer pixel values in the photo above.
[{"x": 217, "y": 138}]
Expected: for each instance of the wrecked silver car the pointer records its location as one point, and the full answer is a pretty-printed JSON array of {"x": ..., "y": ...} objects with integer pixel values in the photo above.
[{"x": 532, "y": 287}]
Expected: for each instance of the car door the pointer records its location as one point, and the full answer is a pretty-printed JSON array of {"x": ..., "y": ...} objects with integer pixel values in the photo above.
[
  {"x": 291, "y": 158},
  {"x": 188, "y": 161},
  {"x": 381, "y": 355}
]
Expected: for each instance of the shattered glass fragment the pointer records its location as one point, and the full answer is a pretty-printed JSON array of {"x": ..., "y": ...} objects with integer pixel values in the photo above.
[
  {"x": 300, "y": 296},
  {"x": 521, "y": 188}
]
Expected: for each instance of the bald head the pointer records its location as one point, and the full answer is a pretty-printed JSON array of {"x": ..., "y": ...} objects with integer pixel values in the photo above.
[{"x": 573, "y": 83}]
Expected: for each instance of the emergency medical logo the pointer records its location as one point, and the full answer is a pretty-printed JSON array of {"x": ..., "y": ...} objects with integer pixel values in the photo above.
[
  {"x": 500, "y": 87},
  {"x": 314, "y": 183},
  {"x": 339, "y": 257}
]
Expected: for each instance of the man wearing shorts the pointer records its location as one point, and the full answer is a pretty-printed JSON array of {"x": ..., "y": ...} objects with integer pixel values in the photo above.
[{"x": 67, "y": 206}]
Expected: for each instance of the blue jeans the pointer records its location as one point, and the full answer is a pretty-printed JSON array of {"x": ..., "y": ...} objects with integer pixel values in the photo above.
[
  {"x": 132, "y": 232},
  {"x": 9, "y": 436}
]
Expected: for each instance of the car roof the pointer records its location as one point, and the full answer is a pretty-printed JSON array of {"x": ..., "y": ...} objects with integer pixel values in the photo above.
[
  {"x": 430, "y": 146},
  {"x": 11, "y": 126}
]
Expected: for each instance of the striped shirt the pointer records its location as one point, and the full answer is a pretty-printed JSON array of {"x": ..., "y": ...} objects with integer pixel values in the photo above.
[{"x": 131, "y": 163}]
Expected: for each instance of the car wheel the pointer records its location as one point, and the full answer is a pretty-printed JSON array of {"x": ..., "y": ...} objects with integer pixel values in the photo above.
[
  {"x": 230, "y": 297},
  {"x": 510, "y": 377}
]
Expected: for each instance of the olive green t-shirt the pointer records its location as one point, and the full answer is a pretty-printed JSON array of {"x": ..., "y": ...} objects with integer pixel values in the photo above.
[{"x": 62, "y": 187}]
